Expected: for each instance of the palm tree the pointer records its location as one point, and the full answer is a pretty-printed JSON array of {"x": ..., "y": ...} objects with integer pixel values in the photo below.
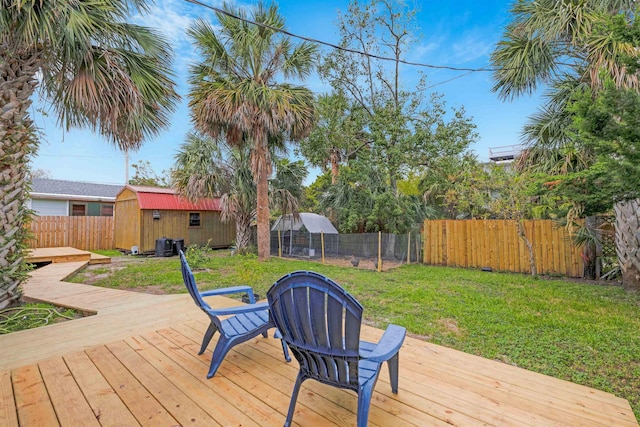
[
  {"x": 286, "y": 187},
  {"x": 96, "y": 70},
  {"x": 235, "y": 92},
  {"x": 563, "y": 44},
  {"x": 204, "y": 170}
]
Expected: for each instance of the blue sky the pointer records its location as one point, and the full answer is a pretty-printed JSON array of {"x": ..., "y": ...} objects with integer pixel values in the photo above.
[{"x": 459, "y": 34}]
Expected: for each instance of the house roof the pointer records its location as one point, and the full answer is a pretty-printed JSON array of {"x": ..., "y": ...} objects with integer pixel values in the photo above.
[
  {"x": 314, "y": 223},
  {"x": 168, "y": 199},
  {"x": 44, "y": 188}
]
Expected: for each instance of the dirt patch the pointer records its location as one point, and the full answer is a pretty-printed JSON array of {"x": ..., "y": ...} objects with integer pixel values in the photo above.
[
  {"x": 450, "y": 325},
  {"x": 362, "y": 263},
  {"x": 92, "y": 273}
]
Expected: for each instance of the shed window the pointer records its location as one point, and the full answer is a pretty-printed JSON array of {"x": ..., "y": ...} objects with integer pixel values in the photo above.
[{"x": 194, "y": 219}]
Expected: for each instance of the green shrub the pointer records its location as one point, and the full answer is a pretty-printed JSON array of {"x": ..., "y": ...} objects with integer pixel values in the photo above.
[{"x": 197, "y": 255}]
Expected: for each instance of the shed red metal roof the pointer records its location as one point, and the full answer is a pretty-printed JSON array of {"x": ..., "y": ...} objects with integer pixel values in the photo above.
[{"x": 168, "y": 199}]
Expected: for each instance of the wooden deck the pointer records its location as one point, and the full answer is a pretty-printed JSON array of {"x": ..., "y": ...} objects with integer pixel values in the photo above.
[
  {"x": 65, "y": 254},
  {"x": 135, "y": 363}
]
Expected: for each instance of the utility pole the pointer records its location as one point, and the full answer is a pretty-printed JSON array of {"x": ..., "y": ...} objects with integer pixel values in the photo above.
[{"x": 126, "y": 166}]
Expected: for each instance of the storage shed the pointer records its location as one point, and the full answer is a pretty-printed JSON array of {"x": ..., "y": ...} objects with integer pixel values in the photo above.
[{"x": 145, "y": 214}]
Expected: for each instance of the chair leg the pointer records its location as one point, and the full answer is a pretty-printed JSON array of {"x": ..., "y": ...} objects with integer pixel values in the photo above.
[
  {"x": 277, "y": 334},
  {"x": 294, "y": 398},
  {"x": 392, "y": 364},
  {"x": 211, "y": 330},
  {"x": 364, "y": 403},
  {"x": 285, "y": 350},
  {"x": 221, "y": 350}
]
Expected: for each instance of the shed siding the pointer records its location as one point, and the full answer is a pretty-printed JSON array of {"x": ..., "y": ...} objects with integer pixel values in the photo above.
[
  {"x": 175, "y": 225},
  {"x": 127, "y": 221}
]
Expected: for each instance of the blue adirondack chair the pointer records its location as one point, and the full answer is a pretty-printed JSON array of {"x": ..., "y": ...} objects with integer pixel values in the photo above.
[
  {"x": 244, "y": 322},
  {"x": 320, "y": 322}
]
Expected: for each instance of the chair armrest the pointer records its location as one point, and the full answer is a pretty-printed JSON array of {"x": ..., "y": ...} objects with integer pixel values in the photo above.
[
  {"x": 231, "y": 290},
  {"x": 388, "y": 345},
  {"x": 247, "y": 308}
]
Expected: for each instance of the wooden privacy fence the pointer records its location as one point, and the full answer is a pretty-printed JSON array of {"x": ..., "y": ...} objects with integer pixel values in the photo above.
[
  {"x": 496, "y": 244},
  {"x": 82, "y": 232}
]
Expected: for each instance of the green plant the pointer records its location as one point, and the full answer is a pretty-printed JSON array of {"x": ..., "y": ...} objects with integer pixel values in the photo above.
[
  {"x": 30, "y": 316},
  {"x": 197, "y": 255},
  {"x": 245, "y": 251}
]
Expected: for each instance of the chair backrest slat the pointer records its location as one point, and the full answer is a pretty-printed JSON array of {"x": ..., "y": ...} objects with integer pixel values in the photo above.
[{"x": 318, "y": 318}]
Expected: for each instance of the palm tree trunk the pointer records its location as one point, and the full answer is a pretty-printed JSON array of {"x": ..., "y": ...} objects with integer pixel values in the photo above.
[
  {"x": 628, "y": 241},
  {"x": 17, "y": 141},
  {"x": 262, "y": 215},
  {"x": 261, "y": 167},
  {"x": 334, "y": 166},
  {"x": 243, "y": 233}
]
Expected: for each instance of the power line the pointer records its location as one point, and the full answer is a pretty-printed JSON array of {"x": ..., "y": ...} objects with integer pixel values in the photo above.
[
  {"x": 345, "y": 49},
  {"x": 80, "y": 156}
]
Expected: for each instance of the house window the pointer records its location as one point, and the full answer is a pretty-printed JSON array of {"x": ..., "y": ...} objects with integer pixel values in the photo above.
[
  {"x": 194, "y": 219},
  {"x": 78, "y": 210},
  {"x": 106, "y": 210}
]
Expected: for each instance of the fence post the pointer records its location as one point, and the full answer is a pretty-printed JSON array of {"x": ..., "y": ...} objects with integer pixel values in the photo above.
[
  {"x": 379, "y": 251},
  {"x": 322, "y": 245},
  {"x": 279, "y": 245},
  {"x": 591, "y": 268},
  {"x": 409, "y": 248}
]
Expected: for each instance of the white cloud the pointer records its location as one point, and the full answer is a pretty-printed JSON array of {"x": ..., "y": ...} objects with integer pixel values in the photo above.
[{"x": 472, "y": 45}]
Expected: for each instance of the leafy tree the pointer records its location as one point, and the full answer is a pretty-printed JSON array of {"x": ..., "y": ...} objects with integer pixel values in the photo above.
[
  {"x": 97, "y": 70},
  {"x": 459, "y": 187},
  {"x": 403, "y": 129},
  {"x": 362, "y": 202},
  {"x": 391, "y": 132},
  {"x": 608, "y": 125},
  {"x": 314, "y": 193},
  {"x": 235, "y": 93},
  {"x": 145, "y": 175},
  {"x": 337, "y": 135}
]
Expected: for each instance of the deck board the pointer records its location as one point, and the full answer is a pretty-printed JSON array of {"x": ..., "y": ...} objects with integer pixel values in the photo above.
[
  {"x": 135, "y": 362},
  {"x": 64, "y": 255},
  {"x": 8, "y": 411}
]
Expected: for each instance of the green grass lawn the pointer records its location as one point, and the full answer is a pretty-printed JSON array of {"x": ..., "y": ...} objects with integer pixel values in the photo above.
[{"x": 585, "y": 333}]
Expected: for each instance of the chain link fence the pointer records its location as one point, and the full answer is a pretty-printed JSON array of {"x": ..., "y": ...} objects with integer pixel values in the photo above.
[{"x": 359, "y": 250}]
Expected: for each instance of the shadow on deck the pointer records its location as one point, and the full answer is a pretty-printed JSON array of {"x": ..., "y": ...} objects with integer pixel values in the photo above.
[{"x": 135, "y": 363}]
